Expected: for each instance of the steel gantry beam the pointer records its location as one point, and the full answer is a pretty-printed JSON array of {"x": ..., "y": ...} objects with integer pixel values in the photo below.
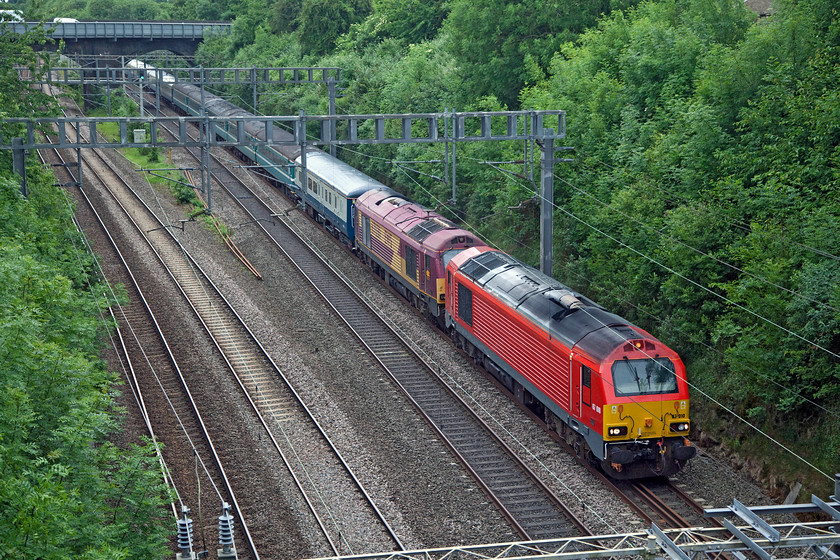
[
  {"x": 350, "y": 129},
  {"x": 115, "y": 75},
  {"x": 540, "y": 127},
  {"x": 694, "y": 544},
  {"x": 654, "y": 544},
  {"x": 106, "y": 77}
]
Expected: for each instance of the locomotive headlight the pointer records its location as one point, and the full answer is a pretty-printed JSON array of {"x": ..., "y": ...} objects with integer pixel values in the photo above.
[
  {"x": 679, "y": 426},
  {"x": 614, "y": 431}
]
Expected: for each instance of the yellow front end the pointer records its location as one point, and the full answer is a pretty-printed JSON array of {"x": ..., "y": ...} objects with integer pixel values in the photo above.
[
  {"x": 646, "y": 420},
  {"x": 646, "y": 438}
]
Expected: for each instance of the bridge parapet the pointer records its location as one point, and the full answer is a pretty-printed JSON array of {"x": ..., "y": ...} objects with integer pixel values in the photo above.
[
  {"x": 128, "y": 30},
  {"x": 127, "y": 37}
]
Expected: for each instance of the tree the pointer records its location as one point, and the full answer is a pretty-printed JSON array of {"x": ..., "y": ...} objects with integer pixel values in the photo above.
[
  {"x": 56, "y": 405},
  {"x": 406, "y": 21},
  {"x": 283, "y": 16},
  {"x": 322, "y": 22},
  {"x": 18, "y": 98},
  {"x": 65, "y": 492},
  {"x": 491, "y": 40}
]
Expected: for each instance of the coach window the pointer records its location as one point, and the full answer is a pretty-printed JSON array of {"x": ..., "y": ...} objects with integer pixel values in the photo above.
[{"x": 465, "y": 311}]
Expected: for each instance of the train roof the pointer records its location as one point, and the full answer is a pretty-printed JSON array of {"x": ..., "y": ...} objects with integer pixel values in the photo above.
[
  {"x": 216, "y": 105},
  {"x": 348, "y": 180},
  {"x": 414, "y": 221},
  {"x": 563, "y": 313}
]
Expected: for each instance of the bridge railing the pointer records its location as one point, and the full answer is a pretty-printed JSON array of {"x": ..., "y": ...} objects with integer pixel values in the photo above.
[
  {"x": 103, "y": 76},
  {"x": 70, "y": 31}
]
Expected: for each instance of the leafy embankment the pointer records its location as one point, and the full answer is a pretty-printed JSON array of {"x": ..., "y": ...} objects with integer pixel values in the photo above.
[{"x": 66, "y": 491}]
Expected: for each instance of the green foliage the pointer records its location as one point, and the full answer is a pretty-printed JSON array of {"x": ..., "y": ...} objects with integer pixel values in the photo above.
[
  {"x": 283, "y": 16},
  {"x": 65, "y": 492},
  {"x": 322, "y": 22},
  {"x": 123, "y": 10},
  {"x": 58, "y": 478},
  {"x": 405, "y": 21},
  {"x": 16, "y": 97},
  {"x": 490, "y": 39},
  {"x": 421, "y": 82}
]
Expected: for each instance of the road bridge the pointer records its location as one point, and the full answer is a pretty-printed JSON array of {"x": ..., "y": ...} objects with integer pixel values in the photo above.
[{"x": 127, "y": 37}]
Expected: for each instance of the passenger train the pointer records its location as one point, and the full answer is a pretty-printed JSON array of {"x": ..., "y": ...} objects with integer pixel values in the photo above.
[{"x": 614, "y": 392}]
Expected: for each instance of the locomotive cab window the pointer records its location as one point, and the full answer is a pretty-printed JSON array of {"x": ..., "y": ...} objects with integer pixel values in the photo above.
[
  {"x": 648, "y": 376},
  {"x": 586, "y": 383}
]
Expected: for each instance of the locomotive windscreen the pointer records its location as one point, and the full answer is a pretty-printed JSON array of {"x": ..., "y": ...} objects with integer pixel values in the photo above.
[{"x": 647, "y": 376}]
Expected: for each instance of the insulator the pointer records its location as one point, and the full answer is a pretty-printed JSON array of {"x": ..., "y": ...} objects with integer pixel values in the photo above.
[
  {"x": 226, "y": 528},
  {"x": 185, "y": 532}
]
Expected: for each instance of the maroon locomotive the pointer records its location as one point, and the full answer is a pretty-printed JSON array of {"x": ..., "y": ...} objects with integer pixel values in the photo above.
[{"x": 408, "y": 246}]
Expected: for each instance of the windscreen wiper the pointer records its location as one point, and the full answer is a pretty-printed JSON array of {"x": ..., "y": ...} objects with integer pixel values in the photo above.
[{"x": 635, "y": 373}]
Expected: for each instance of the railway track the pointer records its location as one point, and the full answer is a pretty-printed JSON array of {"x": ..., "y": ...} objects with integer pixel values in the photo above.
[
  {"x": 657, "y": 500},
  {"x": 531, "y": 508},
  {"x": 660, "y": 501},
  {"x": 152, "y": 370},
  {"x": 305, "y": 450}
]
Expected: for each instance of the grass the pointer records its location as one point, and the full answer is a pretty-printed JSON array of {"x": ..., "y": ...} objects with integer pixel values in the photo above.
[{"x": 157, "y": 170}]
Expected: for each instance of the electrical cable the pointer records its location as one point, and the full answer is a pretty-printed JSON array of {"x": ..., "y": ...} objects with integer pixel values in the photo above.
[
  {"x": 734, "y": 223},
  {"x": 709, "y": 347},
  {"x": 696, "y": 250},
  {"x": 694, "y": 283}
]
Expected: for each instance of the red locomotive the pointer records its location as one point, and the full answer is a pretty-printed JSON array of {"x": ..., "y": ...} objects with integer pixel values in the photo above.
[{"x": 614, "y": 392}]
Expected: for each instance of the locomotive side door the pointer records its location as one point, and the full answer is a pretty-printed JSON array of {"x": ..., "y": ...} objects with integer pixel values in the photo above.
[
  {"x": 425, "y": 275},
  {"x": 575, "y": 369},
  {"x": 421, "y": 275}
]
